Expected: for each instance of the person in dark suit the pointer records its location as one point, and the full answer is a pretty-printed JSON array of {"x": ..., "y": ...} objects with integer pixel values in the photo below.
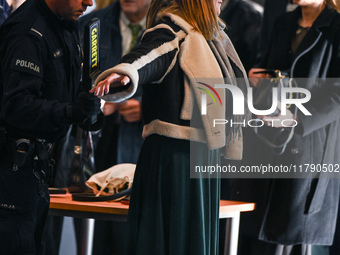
[
  {"x": 5, "y": 10},
  {"x": 120, "y": 140},
  {"x": 122, "y": 134},
  {"x": 7, "y": 7},
  {"x": 243, "y": 32}
]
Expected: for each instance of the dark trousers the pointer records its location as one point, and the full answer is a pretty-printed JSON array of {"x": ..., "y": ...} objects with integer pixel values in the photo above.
[{"x": 24, "y": 204}]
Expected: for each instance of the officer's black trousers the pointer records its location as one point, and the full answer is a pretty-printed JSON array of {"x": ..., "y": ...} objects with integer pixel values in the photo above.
[{"x": 23, "y": 209}]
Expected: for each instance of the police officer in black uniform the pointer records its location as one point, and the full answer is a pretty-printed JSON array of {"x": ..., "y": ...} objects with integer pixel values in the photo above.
[{"x": 40, "y": 97}]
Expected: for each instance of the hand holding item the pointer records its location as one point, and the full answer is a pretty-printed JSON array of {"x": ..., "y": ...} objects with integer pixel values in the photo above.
[
  {"x": 109, "y": 108},
  {"x": 255, "y": 77},
  {"x": 103, "y": 87},
  {"x": 130, "y": 110},
  {"x": 86, "y": 106},
  {"x": 280, "y": 120}
]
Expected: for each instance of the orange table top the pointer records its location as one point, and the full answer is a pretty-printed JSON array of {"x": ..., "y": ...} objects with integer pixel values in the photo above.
[
  {"x": 233, "y": 206},
  {"x": 65, "y": 202}
]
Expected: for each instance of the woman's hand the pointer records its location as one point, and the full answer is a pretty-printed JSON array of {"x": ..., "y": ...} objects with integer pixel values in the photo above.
[
  {"x": 255, "y": 78},
  {"x": 103, "y": 87},
  {"x": 280, "y": 120}
]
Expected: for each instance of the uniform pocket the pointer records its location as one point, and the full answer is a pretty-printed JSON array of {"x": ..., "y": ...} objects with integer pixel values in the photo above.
[{"x": 17, "y": 188}]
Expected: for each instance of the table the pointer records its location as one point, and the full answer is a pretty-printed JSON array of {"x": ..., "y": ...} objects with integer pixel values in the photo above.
[
  {"x": 63, "y": 205},
  {"x": 231, "y": 210}
]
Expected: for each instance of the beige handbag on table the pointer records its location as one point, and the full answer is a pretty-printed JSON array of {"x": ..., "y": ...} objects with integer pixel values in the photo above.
[{"x": 114, "y": 183}]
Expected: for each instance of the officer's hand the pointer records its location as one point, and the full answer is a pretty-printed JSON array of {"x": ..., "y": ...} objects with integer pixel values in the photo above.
[
  {"x": 109, "y": 108},
  {"x": 256, "y": 78},
  {"x": 86, "y": 105},
  {"x": 130, "y": 110}
]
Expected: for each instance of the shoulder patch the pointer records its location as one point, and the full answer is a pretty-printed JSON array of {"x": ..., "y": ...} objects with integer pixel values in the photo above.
[
  {"x": 38, "y": 28},
  {"x": 35, "y": 32},
  {"x": 27, "y": 66}
]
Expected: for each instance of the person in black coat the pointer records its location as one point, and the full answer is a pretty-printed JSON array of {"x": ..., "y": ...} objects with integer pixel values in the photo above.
[
  {"x": 41, "y": 96},
  {"x": 120, "y": 140},
  {"x": 8, "y": 7},
  {"x": 294, "y": 214},
  {"x": 245, "y": 32}
]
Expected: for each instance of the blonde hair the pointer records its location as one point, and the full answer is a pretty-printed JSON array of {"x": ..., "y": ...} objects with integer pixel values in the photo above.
[
  {"x": 334, "y": 4},
  {"x": 200, "y": 14}
]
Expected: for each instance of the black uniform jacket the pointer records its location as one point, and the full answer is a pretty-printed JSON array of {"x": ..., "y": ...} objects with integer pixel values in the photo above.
[
  {"x": 301, "y": 210},
  {"x": 40, "y": 71}
]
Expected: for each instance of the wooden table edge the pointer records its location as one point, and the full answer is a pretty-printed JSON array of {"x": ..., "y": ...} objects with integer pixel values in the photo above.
[{"x": 64, "y": 202}]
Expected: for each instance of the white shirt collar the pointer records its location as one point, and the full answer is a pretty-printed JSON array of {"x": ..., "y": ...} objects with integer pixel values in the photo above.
[
  {"x": 124, "y": 22},
  {"x": 126, "y": 32}
]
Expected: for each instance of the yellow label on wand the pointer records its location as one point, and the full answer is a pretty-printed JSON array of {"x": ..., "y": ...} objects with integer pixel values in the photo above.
[{"x": 94, "y": 47}]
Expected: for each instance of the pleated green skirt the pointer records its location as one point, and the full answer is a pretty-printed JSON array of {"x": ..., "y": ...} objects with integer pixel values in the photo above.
[{"x": 171, "y": 213}]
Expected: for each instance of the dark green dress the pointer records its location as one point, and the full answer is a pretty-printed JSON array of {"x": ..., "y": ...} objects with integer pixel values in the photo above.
[{"x": 171, "y": 213}]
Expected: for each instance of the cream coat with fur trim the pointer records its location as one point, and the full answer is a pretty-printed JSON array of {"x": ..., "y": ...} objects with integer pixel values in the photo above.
[{"x": 199, "y": 64}]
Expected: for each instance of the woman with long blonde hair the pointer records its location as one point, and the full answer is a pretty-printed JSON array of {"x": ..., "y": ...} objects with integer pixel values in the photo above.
[{"x": 170, "y": 212}]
